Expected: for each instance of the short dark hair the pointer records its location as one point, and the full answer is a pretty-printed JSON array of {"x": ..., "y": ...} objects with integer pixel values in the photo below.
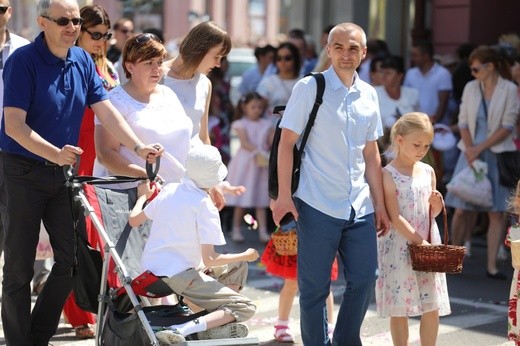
[
  {"x": 261, "y": 51},
  {"x": 394, "y": 62}
]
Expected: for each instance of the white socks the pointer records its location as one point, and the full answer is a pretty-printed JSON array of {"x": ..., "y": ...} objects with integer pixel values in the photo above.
[{"x": 195, "y": 326}]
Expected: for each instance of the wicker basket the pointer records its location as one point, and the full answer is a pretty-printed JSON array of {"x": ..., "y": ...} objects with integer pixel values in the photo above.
[
  {"x": 285, "y": 243},
  {"x": 437, "y": 258}
]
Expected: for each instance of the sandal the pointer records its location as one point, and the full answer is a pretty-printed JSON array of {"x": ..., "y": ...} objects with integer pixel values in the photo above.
[
  {"x": 283, "y": 334},
  {"x": 84, "y": 332}
]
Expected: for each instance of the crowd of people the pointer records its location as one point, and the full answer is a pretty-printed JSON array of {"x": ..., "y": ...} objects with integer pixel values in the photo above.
[{"x": 118, "y": 99}]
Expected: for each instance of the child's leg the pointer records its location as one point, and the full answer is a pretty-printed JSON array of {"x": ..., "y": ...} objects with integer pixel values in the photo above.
[
  {"x": 429, "y": 328},
  {"x": 330, "y": 308},
  {"x": 285, "y": 301},
  {"x": 330, "y": 314},
  {"x": 399, "y": 330},
  {"x": 261, "y": 216},
  {"x": 236, "y": 235}
]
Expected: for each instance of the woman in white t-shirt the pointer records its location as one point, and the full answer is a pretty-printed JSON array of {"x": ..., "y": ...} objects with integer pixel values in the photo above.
[
  {"x": 200, "y": 51},
  {"x": 277, "y": 88},
  {"x": 394, "y": 98},
  {"x": 153, "y": 111}
]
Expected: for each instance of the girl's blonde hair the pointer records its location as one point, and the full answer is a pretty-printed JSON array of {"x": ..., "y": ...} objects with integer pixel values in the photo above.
[{"x": 413, "y": 121}]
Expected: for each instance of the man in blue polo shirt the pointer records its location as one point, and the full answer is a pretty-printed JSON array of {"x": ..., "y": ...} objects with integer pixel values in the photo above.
[
  {"x": 339, "y": 204},
  {"x": 50, "y": 83}
]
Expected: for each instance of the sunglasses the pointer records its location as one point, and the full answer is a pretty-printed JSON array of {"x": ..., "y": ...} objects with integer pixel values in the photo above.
[
  {"x": 96, "y": 36},
  {"x": 284, "y": 58},
  {"x": 477, "y": 69},
  {"x": 143, "y": 38},
  {"x": 63, "y": 21},
  {"x": 3, "y": 9}
]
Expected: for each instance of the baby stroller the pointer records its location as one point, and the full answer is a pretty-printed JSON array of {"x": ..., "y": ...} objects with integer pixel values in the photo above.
[{"x": 125, "y": 315}]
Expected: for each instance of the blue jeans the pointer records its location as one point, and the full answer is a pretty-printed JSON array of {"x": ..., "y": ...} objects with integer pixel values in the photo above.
[{"x": 320, "y": 237}]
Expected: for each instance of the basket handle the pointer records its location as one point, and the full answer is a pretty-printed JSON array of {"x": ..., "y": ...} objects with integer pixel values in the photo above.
[{"x": 445, "y": 223}]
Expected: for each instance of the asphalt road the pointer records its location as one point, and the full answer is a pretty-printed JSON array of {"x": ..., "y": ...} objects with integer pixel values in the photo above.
[{"x": 479, "y": 306}]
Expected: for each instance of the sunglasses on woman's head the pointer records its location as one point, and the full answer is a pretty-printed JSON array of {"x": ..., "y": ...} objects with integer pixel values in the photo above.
[
  {"x": 96, "y": 36},
  {"x": 3, "y": 9},
  {"x": 143, "y": 38},
  {"x": 64, "y": 21}
]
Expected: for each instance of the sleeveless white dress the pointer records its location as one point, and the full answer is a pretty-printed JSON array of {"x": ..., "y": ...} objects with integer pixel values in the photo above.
[{"x": 401, "y": 291}]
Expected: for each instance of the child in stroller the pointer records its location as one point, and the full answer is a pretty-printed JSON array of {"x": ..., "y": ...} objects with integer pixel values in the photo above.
[{"x": 180, "y": 248}]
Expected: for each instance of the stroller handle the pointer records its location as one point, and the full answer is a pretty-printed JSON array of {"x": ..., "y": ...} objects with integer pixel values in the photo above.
[
  {"x": 72, "y": 170},
  {"x": 151, "y": 171}
]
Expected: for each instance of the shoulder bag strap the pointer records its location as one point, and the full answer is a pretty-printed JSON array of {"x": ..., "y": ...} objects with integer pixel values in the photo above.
[{"x": 320, "y": 81}]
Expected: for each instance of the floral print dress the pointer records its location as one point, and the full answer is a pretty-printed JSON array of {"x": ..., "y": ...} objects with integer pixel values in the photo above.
[
  {"x": 513, "y": 315},
  {"x": 401, "y": 291}
]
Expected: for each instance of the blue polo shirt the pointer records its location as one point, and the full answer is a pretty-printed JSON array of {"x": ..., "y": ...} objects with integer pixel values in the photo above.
[{"x": 54, "y": 93}]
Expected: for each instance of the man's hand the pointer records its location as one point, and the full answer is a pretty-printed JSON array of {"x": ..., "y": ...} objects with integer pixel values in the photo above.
[
  {"x": 382, "y": 222},
  {"x": 67, "y": 155},
  {"x": 280, "y": 207}
]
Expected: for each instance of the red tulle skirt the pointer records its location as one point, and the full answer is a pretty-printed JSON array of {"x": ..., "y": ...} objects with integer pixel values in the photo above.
[{"x": 286, "y": 266}]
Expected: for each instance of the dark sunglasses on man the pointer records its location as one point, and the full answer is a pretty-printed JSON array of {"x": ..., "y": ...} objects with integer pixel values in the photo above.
[
  {"x": 96, "y": 35},
  {"x": 3, "y": 9},
  {"x": 64, "y": 21}
]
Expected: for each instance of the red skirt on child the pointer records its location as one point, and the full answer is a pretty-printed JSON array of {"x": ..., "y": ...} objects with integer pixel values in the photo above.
[{"x": 286, "y": 266}]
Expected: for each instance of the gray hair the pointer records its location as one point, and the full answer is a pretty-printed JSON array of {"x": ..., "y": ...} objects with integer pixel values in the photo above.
[
  {"x": 43, "y": 6},
  {"x": 42, "y": 9}
]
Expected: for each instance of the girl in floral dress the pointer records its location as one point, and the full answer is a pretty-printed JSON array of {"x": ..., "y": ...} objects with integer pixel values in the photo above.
[
  {"x": 409, "y": 190},
  {"x": 513, "y": 325}
]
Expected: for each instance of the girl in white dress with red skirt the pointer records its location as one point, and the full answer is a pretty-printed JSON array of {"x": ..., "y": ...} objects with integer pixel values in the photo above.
[{"x": 409, "y": 190}]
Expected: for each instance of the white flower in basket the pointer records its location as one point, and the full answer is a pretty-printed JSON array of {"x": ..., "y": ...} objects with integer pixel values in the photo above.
[{"x": 472, "y": 185}]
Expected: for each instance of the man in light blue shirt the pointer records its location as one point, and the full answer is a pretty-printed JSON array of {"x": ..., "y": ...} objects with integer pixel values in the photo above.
[{"x": 339, "y": 205}]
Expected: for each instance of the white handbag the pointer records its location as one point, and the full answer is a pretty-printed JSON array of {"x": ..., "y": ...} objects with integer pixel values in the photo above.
[{"x": 472, "y": 185}]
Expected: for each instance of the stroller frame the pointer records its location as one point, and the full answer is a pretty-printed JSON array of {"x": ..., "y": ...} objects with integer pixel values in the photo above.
[
  {"x": 109, "y": 253},
  {"x": 76, "y": 184}
]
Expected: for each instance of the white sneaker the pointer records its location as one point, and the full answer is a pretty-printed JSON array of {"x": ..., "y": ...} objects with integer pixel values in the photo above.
[
  {"x": 168, "y": 337},
  {"x": 230, "y": 330}
]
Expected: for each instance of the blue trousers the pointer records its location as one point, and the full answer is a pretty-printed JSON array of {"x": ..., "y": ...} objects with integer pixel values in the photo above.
[{"x": 320, "y": 237}]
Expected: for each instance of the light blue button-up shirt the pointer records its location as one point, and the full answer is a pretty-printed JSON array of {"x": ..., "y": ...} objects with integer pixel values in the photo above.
[{"x": 332, "y": 176}]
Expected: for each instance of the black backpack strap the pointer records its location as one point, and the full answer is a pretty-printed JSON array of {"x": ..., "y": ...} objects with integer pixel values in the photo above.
[{"x": 320, "y": 89}]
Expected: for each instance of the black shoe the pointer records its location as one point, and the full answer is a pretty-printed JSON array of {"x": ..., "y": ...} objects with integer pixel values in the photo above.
[{"x": 496, "y": 276}]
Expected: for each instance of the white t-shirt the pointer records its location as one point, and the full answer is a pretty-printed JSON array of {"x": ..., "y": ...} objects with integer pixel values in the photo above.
[
  {"x": 276, "y": 90},
  {"x": 429, "y": 85},
  {"x": 389, "y": 108},
  {"x": 162, "y": 121},
  {"x": 184, "y": 218},
  {"x": 193, "y": 94}
]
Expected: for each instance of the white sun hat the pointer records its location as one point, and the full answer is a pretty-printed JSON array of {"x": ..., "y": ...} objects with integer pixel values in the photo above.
[{"x": 204, "y": 166}]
